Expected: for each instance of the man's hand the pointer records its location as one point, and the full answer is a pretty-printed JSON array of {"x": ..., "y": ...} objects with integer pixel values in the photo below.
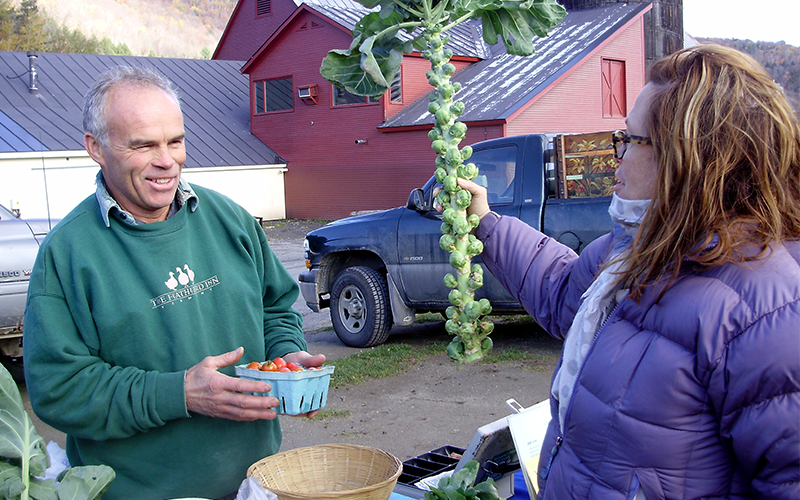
[
  {"x": 212, "y": 393},
  {"x": 307, "y": 360},
  {"x": 480, "y": 201}
]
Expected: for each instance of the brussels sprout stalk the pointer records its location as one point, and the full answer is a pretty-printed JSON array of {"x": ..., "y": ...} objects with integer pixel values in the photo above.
[
  {"x": 465, "y": 317},
  {"x": 372, "y": 61}
]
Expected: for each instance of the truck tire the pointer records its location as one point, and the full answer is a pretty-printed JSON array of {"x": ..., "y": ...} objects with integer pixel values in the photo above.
[{"x": 360, "y": 310}]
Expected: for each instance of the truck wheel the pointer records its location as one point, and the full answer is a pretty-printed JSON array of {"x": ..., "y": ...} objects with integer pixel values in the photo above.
[{"x": 360, "y": 310}]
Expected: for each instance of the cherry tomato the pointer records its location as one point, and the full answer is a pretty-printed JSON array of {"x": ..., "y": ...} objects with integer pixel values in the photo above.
[
  {"x": 294, "y": 367},
  {"x": 269, "y": 366},
  {"x": 284, "y": 369},
  {"x": 279, "y": 362},
  {"x": 254, "y": 365}
]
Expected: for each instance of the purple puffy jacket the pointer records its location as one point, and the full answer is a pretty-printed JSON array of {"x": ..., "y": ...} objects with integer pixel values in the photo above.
[{"x": 696, "y": 396}]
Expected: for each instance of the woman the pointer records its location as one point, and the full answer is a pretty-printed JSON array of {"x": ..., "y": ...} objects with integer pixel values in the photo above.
[{"x": 680, "y": 375}]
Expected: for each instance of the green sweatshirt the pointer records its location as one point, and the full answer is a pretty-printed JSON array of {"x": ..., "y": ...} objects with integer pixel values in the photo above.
[{"x": 115, "y": 316}]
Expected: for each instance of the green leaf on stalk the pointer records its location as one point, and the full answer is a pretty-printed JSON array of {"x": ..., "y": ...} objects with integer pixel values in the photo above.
[
  {"x": 18, "y": 437},
  {"x": 88, "y": 482}
]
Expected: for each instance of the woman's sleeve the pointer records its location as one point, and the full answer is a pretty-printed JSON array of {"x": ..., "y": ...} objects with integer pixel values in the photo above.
[{"x": 546, "y": 277}]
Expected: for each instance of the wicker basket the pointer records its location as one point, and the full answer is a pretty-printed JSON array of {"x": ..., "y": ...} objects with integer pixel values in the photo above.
[{"x": 340, "y": 471}]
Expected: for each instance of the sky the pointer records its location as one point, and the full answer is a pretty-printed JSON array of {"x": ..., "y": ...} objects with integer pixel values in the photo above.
[{"x": 756, "y": 20}]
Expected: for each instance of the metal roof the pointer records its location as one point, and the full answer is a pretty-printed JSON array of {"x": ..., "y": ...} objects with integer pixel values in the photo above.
[
  {"x": 465, "y": 39},
  {"x": 214, "y": 99},
  {"x": 498, "y": 86}
]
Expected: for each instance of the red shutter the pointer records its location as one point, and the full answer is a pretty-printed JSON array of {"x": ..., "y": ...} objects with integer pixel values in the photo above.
[{"x": 614, "y": 91}]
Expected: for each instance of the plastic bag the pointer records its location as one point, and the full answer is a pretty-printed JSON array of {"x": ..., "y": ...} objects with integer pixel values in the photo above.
[
  {"x": 252, "y": 489},
  {"x": 58, "y": 460}
]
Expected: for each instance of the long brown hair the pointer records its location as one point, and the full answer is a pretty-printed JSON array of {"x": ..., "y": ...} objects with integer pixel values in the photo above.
[{"x": 727, "y": 146}]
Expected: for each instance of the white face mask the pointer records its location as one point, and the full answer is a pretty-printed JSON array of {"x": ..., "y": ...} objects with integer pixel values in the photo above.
[{"x": 628, "y": 213}]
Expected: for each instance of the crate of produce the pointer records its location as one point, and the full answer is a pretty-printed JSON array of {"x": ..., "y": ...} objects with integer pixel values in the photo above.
[
  {"x": 432, "y": 463},
  {"x": 297, "y": 391}
]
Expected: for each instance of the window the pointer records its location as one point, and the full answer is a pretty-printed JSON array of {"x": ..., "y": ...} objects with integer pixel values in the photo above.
[
  {"x": 396, "y": 89},
  {"x": 342, "y": 97},
  {"x": 496, "y": 172},
  {"x": 263, "y": 7},
  {"x": 614, "y": 90},
  {"x": 274, "y": 95}
]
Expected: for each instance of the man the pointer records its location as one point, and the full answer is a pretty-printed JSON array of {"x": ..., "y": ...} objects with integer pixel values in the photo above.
[{"x": 141, "y": 301}]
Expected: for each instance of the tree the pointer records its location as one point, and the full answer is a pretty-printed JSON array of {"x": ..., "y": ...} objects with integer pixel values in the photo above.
[{"x": 29, "y": 26}]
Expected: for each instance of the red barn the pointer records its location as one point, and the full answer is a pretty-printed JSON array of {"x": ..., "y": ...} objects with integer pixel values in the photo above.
[{"x": 346, "y": 153}]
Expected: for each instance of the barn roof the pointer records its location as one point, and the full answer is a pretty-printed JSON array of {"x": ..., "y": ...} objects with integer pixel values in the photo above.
[
  {"x": 502, "y": 84},
  {"x": 214, "y": 99},
  {"x": 465, "y": 39}
]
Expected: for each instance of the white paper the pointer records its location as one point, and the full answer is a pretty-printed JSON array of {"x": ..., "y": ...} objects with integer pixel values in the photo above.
[{"x": 528, "y": 429}]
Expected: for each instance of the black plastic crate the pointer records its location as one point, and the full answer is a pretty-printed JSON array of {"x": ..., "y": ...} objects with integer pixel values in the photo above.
[{"x": 428, "y": 464}]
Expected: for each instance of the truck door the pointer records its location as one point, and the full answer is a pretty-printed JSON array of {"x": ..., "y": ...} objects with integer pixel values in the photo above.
[{"x": 423, "y": 263}]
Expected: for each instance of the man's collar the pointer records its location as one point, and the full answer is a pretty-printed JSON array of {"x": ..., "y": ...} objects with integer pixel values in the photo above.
[{"x": 184, "y": 194}]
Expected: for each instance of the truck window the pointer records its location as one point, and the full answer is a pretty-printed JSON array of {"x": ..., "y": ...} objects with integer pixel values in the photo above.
[{"x": 497, "y": 168}]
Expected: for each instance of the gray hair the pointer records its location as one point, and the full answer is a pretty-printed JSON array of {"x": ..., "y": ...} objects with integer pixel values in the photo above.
[{"x": 95, "y": 121}]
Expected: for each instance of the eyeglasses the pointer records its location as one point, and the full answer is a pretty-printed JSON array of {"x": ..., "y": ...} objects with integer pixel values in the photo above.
[{"x": 620, "y": 139}]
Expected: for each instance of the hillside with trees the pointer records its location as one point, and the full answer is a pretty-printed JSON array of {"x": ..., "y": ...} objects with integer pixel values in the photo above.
[
  {"x": 781, "y": 60},
  {"x": 162, "y": 28}
]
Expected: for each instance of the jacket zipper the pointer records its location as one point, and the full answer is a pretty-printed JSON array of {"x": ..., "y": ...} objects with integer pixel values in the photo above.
[{"x": 560, "y": 438}]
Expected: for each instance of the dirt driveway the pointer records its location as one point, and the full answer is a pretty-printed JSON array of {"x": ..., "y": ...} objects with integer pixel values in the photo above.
[{"x": 431, "y": 405}]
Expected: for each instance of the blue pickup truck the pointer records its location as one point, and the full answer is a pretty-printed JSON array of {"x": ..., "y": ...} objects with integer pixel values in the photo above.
[{"x": 380, "y": 269}]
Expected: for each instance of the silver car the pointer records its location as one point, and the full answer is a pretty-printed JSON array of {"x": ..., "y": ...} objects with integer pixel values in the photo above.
[{"x": 19, "y": 243}]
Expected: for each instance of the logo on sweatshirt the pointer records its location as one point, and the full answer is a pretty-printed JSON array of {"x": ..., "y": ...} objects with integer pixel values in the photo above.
[{"x": 182, "y": 286}]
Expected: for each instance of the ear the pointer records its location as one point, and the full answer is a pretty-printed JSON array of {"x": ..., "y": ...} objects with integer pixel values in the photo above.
[{"x": 94, "y": 148}]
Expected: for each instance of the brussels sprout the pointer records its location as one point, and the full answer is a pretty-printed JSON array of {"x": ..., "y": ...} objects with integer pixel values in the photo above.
[
  {"x": 452, "y": 156},
  {"x": 456, "y": 87},
  {"x": 447, "y": 242},
  {"x": 473, "y": 310},
  {"x": 456, "y": 297},
  {"x": 445, "y": 227},
  {"x": 475, "y": 246},
  {"x": 449, "y": 216},
  {"x": 434, "y": 80},
  {"x": 435, "y": 133},
  {"x": 440, "y": 175},
  {"x": 461, "y": 228},
  {"x": 486, "y": 327},
  {"x": 457, "y": 108},
  {"x": 486, "y": 343},
  {"x": 467, "y": 330},
  {"x": 448, "y": 69},
  {"x": 487, "y": 307},
  {"x": 443, "y": 116},
  {"x": 446, "y": 90},
  {"x": 443, "y": 198},
  {"x": 451, "y": 312},
  {"x": 459, "y": 130},
  {"x": 447, "y": 52},
  {"x": 474, "y": 220},
  {"x": 451, "y": 184},
  {"x": 433, "y": 107},
  {"x": 456, "y": 348},
  {"x": 450, "y": 281},
  {"x": 451, "y": 326},
  {"x": 439, "y": 146},
  {"x": 458, "y": 260},
  {"x": 463, "y": 198}
]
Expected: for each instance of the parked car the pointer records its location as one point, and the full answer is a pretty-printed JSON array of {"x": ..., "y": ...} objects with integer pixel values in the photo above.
[
  {"x": 379, "y": 270},
  {"x": 19, "y": 243}
]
